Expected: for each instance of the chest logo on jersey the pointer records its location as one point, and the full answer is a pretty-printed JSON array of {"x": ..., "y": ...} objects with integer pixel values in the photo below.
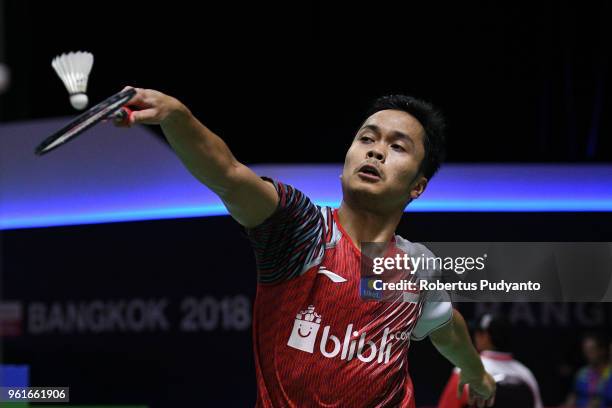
[
  {"x": 305, "y": 332},
  {"x": 331, "y": 275}
]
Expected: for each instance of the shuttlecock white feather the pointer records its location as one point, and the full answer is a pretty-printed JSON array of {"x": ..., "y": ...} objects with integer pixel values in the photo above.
[{"x": 73, "y": 68}]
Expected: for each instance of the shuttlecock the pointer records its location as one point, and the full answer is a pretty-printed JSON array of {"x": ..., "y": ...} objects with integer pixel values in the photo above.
[{"x": 73, "y": 69}]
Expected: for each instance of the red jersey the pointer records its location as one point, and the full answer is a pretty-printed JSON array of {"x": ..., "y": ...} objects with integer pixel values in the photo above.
[{"x": 316, "y": 341}]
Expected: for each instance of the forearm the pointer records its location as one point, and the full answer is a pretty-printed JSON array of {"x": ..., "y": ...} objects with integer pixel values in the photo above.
[
  {"x": 454, "y": 343},
  {"x": 249, "y": 199},
  {"x": 204, "y": 153}
]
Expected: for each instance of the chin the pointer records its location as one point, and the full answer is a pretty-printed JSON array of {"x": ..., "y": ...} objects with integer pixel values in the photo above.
[
  {"x": 361, "y": 187},
  {"x": 363, "y": 195}
]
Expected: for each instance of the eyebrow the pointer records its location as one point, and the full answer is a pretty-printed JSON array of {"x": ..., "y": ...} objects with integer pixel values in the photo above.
[{"x": 394, "y": 134}]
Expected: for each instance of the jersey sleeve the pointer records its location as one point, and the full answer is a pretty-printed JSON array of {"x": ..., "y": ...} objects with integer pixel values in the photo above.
[
  {"x": 437, "y": 311},
  {"x": 437, "y": 307},
  {"x": 290, "y": 241}
]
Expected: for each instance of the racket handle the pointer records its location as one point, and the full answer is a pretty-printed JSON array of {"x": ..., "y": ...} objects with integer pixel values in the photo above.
[{"x": 122, "y": 117}]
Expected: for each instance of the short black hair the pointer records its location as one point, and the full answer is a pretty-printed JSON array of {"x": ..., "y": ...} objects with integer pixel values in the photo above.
[
  {"x": 429, "y": 117},
  {"x": 499, "y": 329}
]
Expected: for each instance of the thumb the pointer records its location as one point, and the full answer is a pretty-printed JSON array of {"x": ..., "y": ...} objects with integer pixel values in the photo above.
[
  {"x": 464, "y": 388},
  {"x": 460, "y": 389}
]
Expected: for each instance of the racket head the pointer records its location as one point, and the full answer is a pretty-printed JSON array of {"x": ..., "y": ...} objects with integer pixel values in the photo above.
[{"x": 86, "y": 120}]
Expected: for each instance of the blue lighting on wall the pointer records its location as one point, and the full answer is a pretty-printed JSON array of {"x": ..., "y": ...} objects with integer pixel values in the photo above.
[{"x": 107, "y": 177}]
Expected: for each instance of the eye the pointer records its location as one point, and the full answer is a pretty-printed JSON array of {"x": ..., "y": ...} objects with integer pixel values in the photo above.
[
  {"x": 398, "y": 147},
  {"x": 366, "y": 138}
]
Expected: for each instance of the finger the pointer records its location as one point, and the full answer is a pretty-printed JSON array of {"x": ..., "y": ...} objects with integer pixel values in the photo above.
[
  {"x": 491, "y": 401},
  {"x": 471, "y": 398},
  {"x": 140, "y": 98},
  {"x": 145, "y": 117},
  {"x": 462, "y": 388}
]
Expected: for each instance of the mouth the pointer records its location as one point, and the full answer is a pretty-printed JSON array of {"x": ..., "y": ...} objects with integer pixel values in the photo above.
[{"x": 369, "y": 171}]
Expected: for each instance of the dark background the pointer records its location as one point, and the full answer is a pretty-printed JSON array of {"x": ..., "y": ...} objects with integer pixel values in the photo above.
[{"x": 519, "y": 82}]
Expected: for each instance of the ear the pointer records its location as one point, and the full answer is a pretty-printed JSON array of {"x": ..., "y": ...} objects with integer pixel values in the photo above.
[{"x": 418, "y": 187}]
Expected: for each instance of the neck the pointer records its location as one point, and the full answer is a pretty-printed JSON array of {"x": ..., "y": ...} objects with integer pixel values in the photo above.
[{"x": 366, "y": 226}]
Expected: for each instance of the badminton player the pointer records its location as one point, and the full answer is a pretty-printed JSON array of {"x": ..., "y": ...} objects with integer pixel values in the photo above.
[
  {"x": 516, "y": 384},
  {"x": 316, "y": 342}
]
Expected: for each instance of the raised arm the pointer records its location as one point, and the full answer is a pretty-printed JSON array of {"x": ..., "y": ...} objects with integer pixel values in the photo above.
[
  {"x": 453, "y": 342},
  {"x": 248, "y": 198}
]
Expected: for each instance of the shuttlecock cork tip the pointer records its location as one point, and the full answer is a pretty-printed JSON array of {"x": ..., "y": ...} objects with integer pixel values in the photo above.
[{"x": 79, "y": 101}]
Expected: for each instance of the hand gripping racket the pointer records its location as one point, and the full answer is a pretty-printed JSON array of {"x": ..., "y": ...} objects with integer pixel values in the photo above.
[{"x": 110, "y": 107}]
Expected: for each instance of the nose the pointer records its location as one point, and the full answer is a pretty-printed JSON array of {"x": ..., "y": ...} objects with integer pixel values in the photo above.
[{"x": 375, "y": 153}]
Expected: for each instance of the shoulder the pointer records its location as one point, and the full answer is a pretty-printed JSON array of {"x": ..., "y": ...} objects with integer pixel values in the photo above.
[
  {"x": 425, "y": 261},
  {"x": 522, "y": 368},
  {"x": 413, "y": 248},
  {"x": 526, "y": 373},
  {"x": 294, "y": 207},
  {"x": 287, "y": 193}
]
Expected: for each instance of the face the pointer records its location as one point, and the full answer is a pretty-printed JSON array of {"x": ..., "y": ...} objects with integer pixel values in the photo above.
[
  {"x": 482, "y": 341},
  {"x": 593, "y": 352},
  {"x": 381, "y": 166}
]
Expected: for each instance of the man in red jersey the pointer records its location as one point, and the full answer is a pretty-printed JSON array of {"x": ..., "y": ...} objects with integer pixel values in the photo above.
[{"x": 317, "y": 342}]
